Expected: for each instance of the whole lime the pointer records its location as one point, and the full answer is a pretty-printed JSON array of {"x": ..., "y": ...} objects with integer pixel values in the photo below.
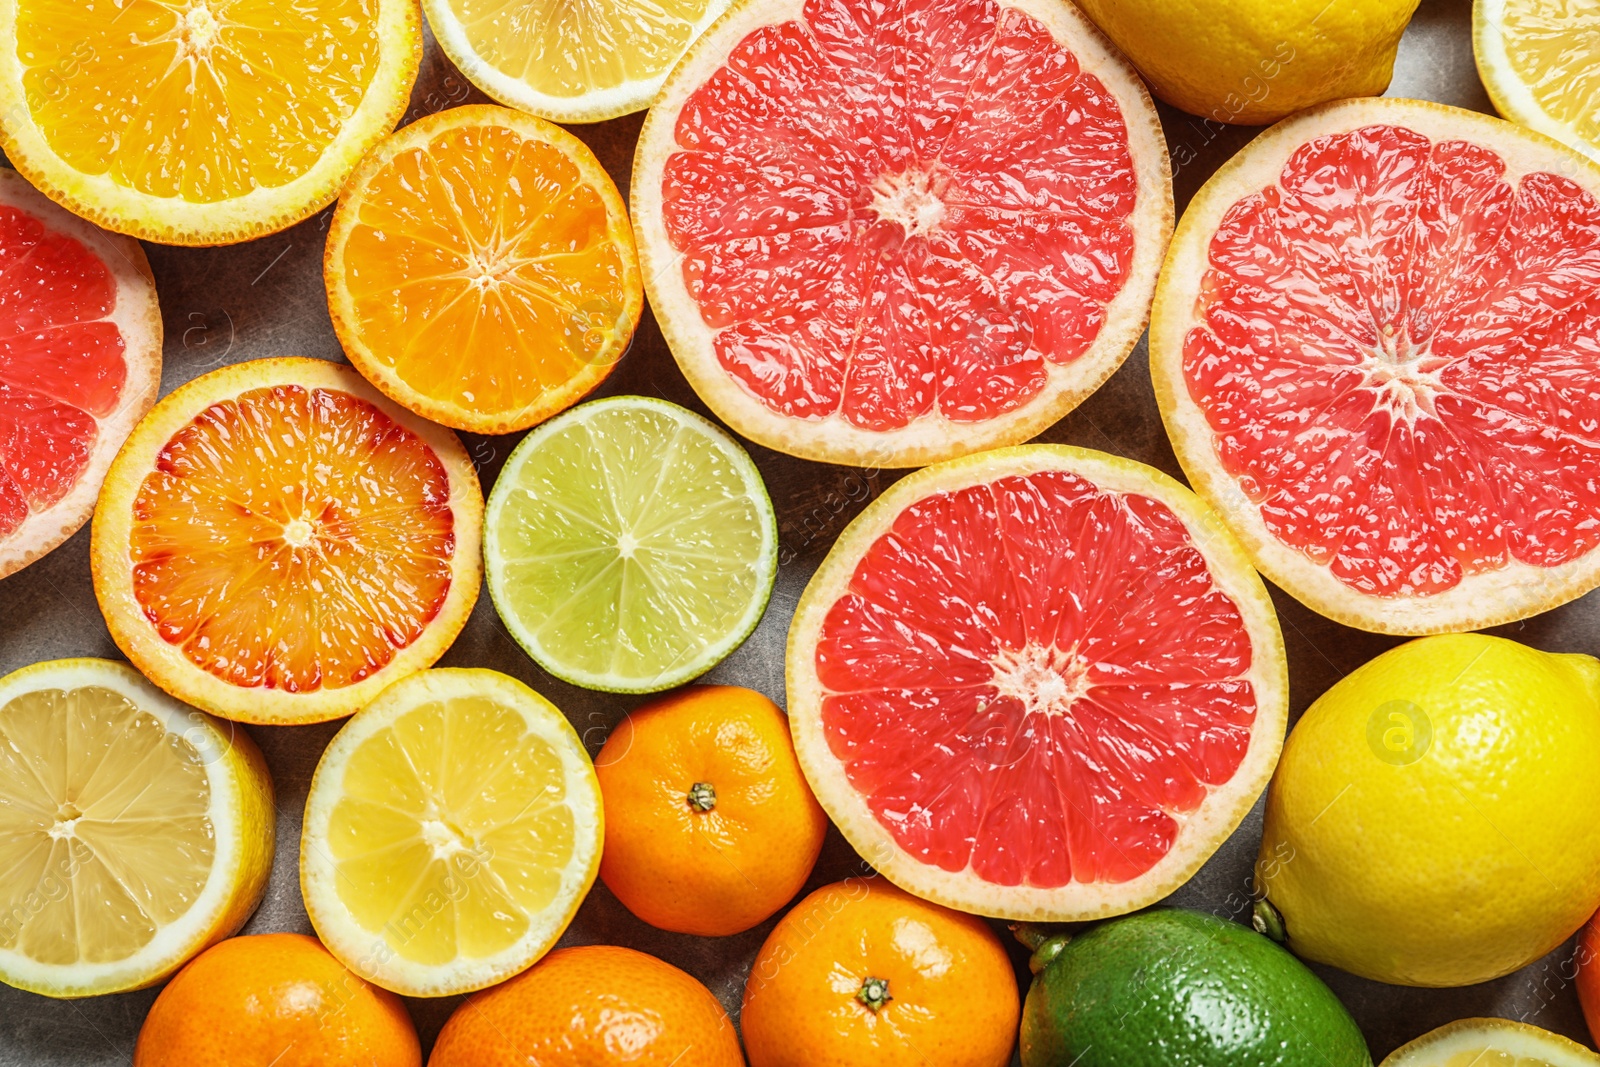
[{"x": 1175, "y": 988}]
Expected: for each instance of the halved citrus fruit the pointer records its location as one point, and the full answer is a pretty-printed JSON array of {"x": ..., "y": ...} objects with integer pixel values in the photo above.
[
  {"x": 569, "y": 62},
  {"x": 888, "y": 234},
  {"x": 1540, "y": 62},
  {"x": 452, "y": 829},
  {"x": 481, "y": 270},
  {"x": 80, "y": 363},
  {"x": 200, "y": 122},
  {"x": 134, "y": 831},
  {"x": 1491, "y": 1043},
  {"x": 1374, "y": 345},
  {"x": 1037, "y": 683},
  {"x": 277, "y": 543}
]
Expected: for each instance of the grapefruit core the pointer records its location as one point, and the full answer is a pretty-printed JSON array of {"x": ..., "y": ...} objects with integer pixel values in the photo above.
[
  {"x": 1375, "y": 345},
  {"x": 1039, "y": 683},
  {"x": 894, "y": 233}
]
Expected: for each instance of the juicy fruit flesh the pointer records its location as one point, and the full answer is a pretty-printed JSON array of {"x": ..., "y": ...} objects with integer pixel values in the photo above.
[
  {"x": 1037, "y": 680},
  {"x": 61, "y": 363},
  {"x": 1554, "y": 46},
  {"x": 452, "y": 830},
  {"x": 200, "y": 99},
  {"x": 570, "y": 50},
  {"x": 483, "y": 270},
  {"x": 292, "y": 538},
  {"x": 1395, "y": 350},
  {"x": 887, "y": 219},
  {"x": 105, "y": 835},
  {"x": 630, "y": 545},
  {"x": 1488, "y": 1057}
]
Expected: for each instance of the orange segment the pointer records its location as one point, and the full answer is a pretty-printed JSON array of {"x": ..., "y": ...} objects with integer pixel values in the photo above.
[{"x": 481, "y": 269}]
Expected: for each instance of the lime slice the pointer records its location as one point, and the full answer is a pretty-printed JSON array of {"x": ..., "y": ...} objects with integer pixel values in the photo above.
[{"x": 630, "y": 545}]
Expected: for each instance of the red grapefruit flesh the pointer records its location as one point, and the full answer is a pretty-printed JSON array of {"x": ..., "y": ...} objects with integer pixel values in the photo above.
[
  {"x": 1375, "y": 345},
  {"x": 894, "y": 233},
  {"x": 80, "y": 363},
  {"x": 1037, "y": 683}
]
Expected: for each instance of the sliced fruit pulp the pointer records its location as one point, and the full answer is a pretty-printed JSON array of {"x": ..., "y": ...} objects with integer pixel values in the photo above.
[
  {"x": 61, "y": 363},
  {"x": 1554, "y": 46},
  {"x": 1036, "y": 679},
  {"x": 483, "y": 269},
  {"x": 569, "y": 50},
  {"x": 452, "y": 831},
  {"x": 887, "y": 217},
  {"x": 293, "y": 538},
  {"x": 1396, "y": 352},
  {"x": 105, "y": 835},
  {"x": 629, "y": 546},
  {"x": 1489, "y": 1057},
  {"x": 199, "y": 99}
]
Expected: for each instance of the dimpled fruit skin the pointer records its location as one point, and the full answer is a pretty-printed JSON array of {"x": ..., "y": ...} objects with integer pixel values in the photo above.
[
  {"x": 587, "y": 1007},
  {"x": 1454, "y": 863},
  {"x": 1254, "y": 61},
  {"x": 1172, "y": 988},
  {"x": 279, "y": 999}
]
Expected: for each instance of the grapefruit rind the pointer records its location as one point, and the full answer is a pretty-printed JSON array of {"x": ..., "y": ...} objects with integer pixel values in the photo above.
[
  {"x": 1508, "y": 92},
  {"x": 932, "y": 437},
  {"x": 1490, "y": 598},
  {"x": 341, "y": 306},
  {"x": 241, "y": 805},
  {"x": 165, "y": 664},
  {"x": 1491, "y": 1040},
  {"x": 138, "y": 320},
  {"x": 266, "y": 210},
  {"x": 1201, "y": 832}
]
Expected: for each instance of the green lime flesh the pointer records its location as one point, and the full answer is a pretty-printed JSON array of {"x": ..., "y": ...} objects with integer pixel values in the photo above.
[
  {"x": 629, "y": 545},
  {"x": 1173, "y": 988}
]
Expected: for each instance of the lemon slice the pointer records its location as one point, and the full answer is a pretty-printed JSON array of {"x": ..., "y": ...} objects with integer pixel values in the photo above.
[
  {"x": 1491, "y": 1043},
  {"x": 1540, "y": 62},
  {"x": 134, "y": 830},
  {"x": 630, "y": 545},
  {"x": 569, "y": 62},
  {"x": 452, "y": 829}
]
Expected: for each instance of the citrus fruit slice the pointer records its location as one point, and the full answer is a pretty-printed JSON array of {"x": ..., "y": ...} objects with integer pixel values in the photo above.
[
  {"x": 1486, "y": 1042},
  {"x": 630, "y": 545},
  {"x": 1037, "y": 683},
  {"x": 452, "y": 829},
  {"x": 203, "y": 122},
  {"x": 481, "y": 269},
  {"x": 569, "y": 62},
  {"x": 888, "y": 234},
  {"x": 1373, "y": 345},
  {"x": 1540, "y": 62},
  {"x": 80, "y": 363},
  {"x": 276, "y": 543},
  {"x": 134, "y": 831}
]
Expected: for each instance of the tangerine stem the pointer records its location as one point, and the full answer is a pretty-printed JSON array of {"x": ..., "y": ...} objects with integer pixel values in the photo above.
[
  {"x": 702, "y": 796},
  {"x": 874, "y": 994}
]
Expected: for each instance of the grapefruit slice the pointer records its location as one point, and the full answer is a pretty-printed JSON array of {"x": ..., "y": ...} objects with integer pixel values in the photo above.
[
  {"x": 277, "y": 543},
  {"x": 887, "y": 234},
  {"x": 1374, "y": 345},
  {"x": 80, "y": 363},
  {"x": 1039, "y": 683}
]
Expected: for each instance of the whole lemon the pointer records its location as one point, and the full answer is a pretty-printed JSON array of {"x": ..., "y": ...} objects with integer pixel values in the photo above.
[
  {"x": 1255, "y": 61},
  {"x": 1435, "y": 818}
]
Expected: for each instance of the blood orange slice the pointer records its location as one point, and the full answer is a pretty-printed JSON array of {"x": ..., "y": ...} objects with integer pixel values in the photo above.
[
  {"x": 80, "y": 363},
  {"x": 277, "y": 542},
  {"x": 894, "y": 233},
  {"x": 1037, "y": 683},
  {"x": 1375, "y": 345}
]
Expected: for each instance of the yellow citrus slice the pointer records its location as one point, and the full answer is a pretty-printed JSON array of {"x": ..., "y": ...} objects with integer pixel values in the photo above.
[
  {"x": 481, "y": 269},
  {"x": 134, "y": 831},
  {"x": 1491, "y": 1043},
  {"x": 452, "y": 829},
  {"x": 1540, "y": 62},
  {"x": 200, "y": 122},
  {"x": 276, "y": 543},
  {"x": 569, "y": 62}
]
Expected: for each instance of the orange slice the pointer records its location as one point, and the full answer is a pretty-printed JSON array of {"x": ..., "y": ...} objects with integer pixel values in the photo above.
[
  {"x": 481, "y": 269},
  {"x": 200, "y": 121},
  {"x": 276, "y": 543}
]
